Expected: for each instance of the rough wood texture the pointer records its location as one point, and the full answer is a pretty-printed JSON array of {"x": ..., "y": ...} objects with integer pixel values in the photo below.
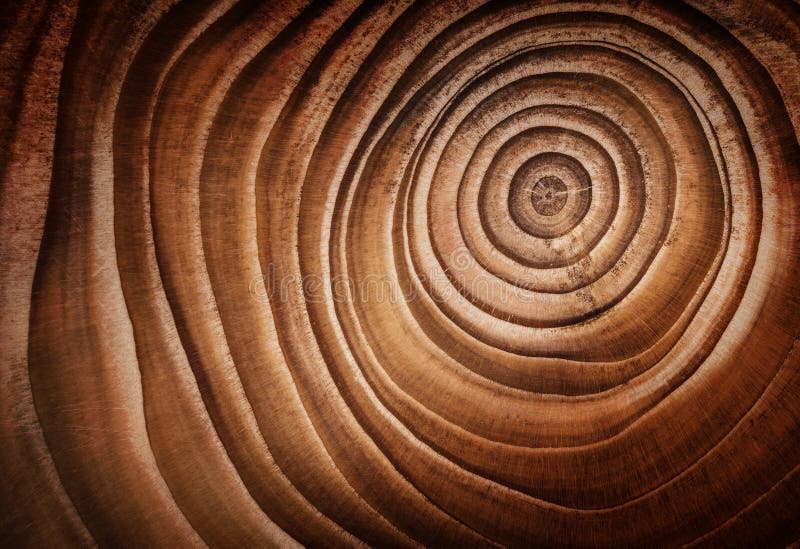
[{"x": 448, "y": 273}]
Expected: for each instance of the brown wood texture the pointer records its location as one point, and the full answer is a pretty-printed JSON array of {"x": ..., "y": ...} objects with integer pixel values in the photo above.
[{"x": 439, "y": 273}]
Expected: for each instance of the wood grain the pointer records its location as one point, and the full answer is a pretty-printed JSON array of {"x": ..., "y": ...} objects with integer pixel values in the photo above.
[{"x": 439, "y": 273}]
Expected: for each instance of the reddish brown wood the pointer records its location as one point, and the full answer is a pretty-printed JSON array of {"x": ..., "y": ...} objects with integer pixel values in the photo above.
[{"x": 399, "y": 273}]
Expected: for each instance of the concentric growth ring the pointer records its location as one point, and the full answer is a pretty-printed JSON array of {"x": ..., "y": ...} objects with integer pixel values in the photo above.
[{"x": 400, "y": 273}]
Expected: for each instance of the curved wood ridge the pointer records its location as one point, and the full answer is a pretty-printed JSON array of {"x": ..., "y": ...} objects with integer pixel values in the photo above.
[{"x": 440, "y": 273}]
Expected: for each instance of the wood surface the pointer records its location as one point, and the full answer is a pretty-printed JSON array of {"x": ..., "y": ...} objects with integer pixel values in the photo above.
[{"x": 440, "y": 273}]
